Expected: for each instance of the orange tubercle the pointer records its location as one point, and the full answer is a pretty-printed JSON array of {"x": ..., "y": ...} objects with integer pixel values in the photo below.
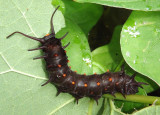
[
  {"x": 64, "y": 75},
  {"x": 65, "y": 51},
  {"x": 110, "y": 79},
  {"x": 59, "y": 65},
  {"x": 85, "y": 85},
  {"x": 107, "y": 70},
  {"x": 47, "y": 34},
  {"x": 95, "y": 73},
  {"x": 84, "y": 74},
  {"x": 73, "y": 82},
  {"x": 75, "y": 71},
  {"x": 98, "y": 83},
  {"x": 70, "y": 67},
  {"x": 68, "y": 61},
  {"x": 55, "y": 55}
]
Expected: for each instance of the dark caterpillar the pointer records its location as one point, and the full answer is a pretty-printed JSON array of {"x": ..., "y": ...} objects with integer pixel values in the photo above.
[{"x": 68, "y": 81}]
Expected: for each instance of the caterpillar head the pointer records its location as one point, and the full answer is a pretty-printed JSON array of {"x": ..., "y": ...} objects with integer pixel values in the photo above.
[
  {"x": 50, "y": 39},
  {"x": 131, "y": 86}
]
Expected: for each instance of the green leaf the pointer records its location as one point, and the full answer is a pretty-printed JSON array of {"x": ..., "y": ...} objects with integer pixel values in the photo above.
[
  {"x": 86, "y": 15},
  {"x": 108, "y": 56},
  {"x": 145, "y": 5},
  {"x": 25, "y": 18},
  {"x": 21, "y": 77},
  {"x": 152, "y": 110},
  {"x": 140, "y": 43},
  {"x": 110, "y": 109},
  {"x": 81, "y": 61}
]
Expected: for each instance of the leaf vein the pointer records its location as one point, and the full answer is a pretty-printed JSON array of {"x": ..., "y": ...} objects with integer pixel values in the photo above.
[
  {"x": 23, "y": 14},
  {"x": 6, "y": 61},
  {"x": 26, "y": 74},
  {"x": 55, "y": 110}
]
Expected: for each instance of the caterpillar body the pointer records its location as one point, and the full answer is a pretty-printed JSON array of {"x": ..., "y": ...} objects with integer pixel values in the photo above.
[{"x": 78, "y": 85}]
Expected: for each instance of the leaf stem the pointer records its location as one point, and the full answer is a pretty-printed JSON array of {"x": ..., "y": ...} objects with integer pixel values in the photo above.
[
  {"x": 136, "y": 98},
  {"x": 91, "y": 102},
  {"x": 119, "y": 65}
]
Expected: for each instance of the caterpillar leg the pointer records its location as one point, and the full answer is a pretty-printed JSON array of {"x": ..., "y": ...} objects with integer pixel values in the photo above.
[
  {"x": 77, "y": 98},
  {"x": 96, "y": 99},
  {"x": 58, "y": 92},
  {"x": 112, "y": 93},
  {"x": 123, "y": 94},
  {"x": 60, "y": 89}
]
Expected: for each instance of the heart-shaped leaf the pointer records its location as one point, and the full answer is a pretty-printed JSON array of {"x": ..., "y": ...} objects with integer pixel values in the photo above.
[{"x": 140, "y": 44}]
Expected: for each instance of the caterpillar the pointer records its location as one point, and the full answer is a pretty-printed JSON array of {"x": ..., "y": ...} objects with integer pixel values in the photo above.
[{"x": 78, "y": 85}]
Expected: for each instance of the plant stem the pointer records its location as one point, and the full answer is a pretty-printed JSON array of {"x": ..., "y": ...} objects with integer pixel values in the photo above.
[
  {"x": 119, "y": 65},
  {"x": 136, "y": 98},
  {"x": 91, "y": 102}
]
